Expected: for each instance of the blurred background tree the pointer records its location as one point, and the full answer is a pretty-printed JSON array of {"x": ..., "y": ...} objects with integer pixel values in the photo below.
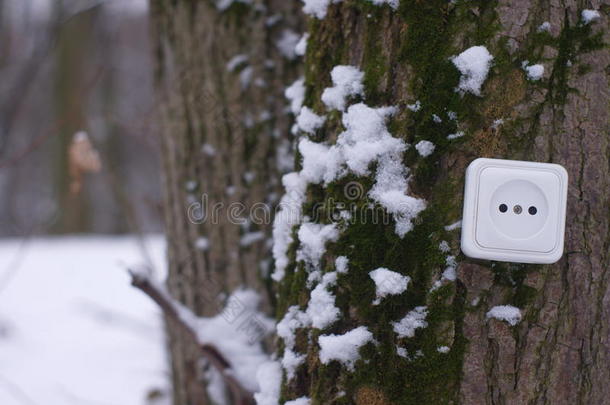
[{"x": 77, "y": 66}]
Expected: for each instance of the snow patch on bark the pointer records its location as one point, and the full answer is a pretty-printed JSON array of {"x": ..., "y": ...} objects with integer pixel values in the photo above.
[
  {"x": 506, "y": 313},
  {"x": 474, "y": 65},
  {"x": 388, "y": 282},
  {"x": 415, "y": 319}
]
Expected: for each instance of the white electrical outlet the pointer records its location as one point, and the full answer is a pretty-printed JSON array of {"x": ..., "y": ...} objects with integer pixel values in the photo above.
[{"x": 514, "y": 211}]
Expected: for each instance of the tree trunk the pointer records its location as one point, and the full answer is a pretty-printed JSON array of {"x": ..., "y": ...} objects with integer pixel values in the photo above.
[
  {"x": 73, "y": 38},
  {"x": 220, "y": 79},
  {"x": 450, "y": 352},
  {"x": 558, "y": 353}
]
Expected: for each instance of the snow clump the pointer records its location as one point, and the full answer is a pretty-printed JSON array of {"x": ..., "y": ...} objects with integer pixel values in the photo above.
[
  {"x": 534, "y": 72},
  {"x": 301, "y": 46},
  {"x": 474, "y": 65},
  {"x": 347, "y": 81},
  {"x": 589, "y": 15},
  {"x": 388, "y": 282},
  {"x": 413, "y": 320},
  {"x": 344, "y": 348},
  {"x": 288, "y": 215},
  {"x": 295, "y": 93},
  {"x": 391, "y": 3},
  {"x": 269, "y": 377},
  {"x": 425, "y": 148},
  {"x": 321, "y": 308},
  {"x": 317, "y": 8},
  {"x": 507, "y": 313},
  {"x": 308, "y": 121}
]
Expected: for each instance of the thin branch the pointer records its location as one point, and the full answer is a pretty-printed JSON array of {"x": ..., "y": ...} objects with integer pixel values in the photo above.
[{"x": 208, "y": 351}]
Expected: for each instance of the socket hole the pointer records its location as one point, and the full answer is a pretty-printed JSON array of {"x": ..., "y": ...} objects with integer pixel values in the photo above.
[
  {"x": 517, "y": 209},
  {"x": 532, "y": 210},
  {"x": 503, "y": 208}
]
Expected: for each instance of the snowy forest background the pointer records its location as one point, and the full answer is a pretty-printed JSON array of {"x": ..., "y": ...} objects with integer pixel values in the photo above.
[{"x": 72, "y": 329}]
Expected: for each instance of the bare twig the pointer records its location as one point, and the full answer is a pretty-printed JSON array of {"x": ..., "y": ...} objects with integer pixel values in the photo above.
[{"x": 209, "y": 352}]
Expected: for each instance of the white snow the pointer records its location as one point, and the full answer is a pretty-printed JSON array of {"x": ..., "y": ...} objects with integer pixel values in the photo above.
[
  {"x": 288, "y": 215},
  {"x": 287, "y": 43},
  {"x": 321, "y": 163},
  {"x": 391, "y": 3},
  {"x": 415, "y": 106},
  {"x": 216, "y": 388},
  {"x": 534, "y": 72},
  {"x": 402, "y": 352},
  {"x": 290, "y": 361},
  {"x": 507, "y": 313},
  {"x": 299, "y": 401},
  {"x": 237, "y": 332},
  {"x": 208, "y": 149},
  {"x": 391, "y": 185},
  {"x": 344, "y": 348},
  {"x": 293, "y": 319},
  {"x": 458, "y": 134},
  {"x": 73, "y": 328},
  {"x": 284, "y": 156},
  {"x": 589, "y": 15},
  {"x": 308, "y": 121},
  {"x": 301, "y": 47},
  {"x": 425, "y": 148},
  {"x": 474, "y": 65},
  {"x": 497, "y": 123},
  {"x": 444, "y": 246},
  {"x": 202, "y": 243},
  {"x": 347, "y": 82},
  {"x": 449, "y": 273},
  {"x": 341, "y": 263},
  {"x": 443, "y": 349},
  {"x": 286, "y": 329},
  {"x": 313, "y": 238},
  {"x": 367, "y": 139},
  {"x": 388, "y": 282},
  {"x": 317, "y": 8},
  {"x": 295, "y": 93},
  {"x": 321, "y": 308},
  {"x": 436, "y": 119},
  {"x": 245, "y": 76},
  {"x": 413, "y": 320},
  {"x": 236, "y": 61},
  {"x": 269, "y": 378},
  {"x": 544, "y": 27}
]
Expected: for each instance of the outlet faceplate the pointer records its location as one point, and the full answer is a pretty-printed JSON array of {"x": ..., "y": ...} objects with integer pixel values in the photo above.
[{"x": 514, "y": 211}]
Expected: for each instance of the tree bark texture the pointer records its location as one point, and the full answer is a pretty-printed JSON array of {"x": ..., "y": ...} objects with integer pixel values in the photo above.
[
  {"x": 223, "y": 120},
  {"x": 558, "y": 353}
]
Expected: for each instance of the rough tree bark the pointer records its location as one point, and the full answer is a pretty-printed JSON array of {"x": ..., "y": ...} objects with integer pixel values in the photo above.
[
  {"x": 224, "y": 122},
  {"x": 558, "y": 353}
]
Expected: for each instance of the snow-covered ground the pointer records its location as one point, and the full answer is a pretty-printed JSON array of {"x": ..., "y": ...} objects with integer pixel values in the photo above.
[{"x": 72, "y": 329}]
